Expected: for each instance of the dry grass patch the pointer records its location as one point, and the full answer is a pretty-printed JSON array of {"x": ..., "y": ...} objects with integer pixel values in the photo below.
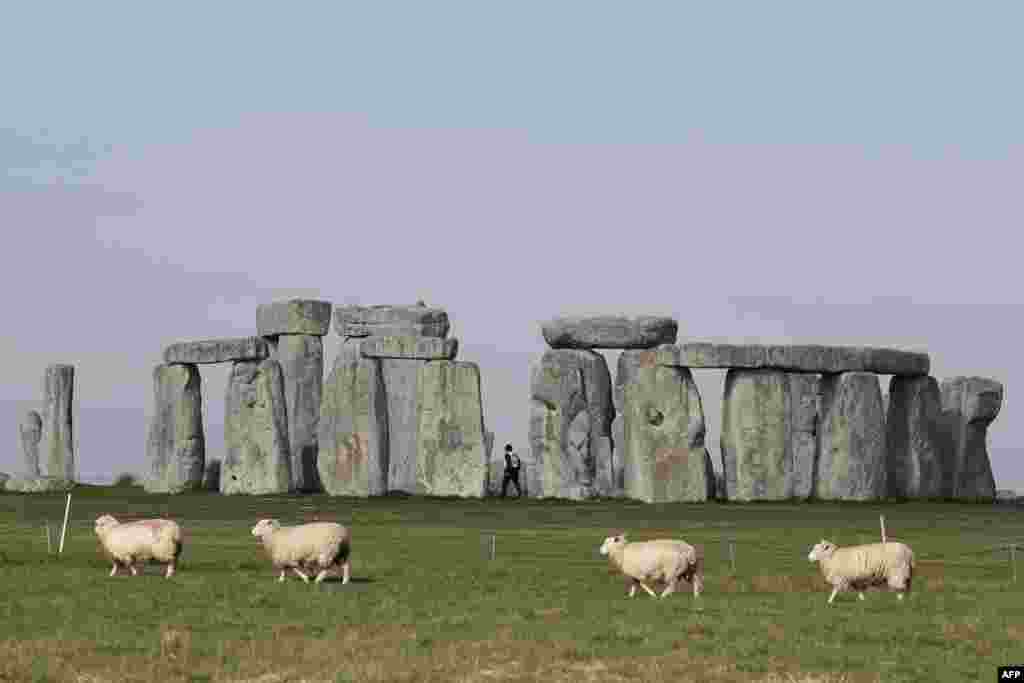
[{"x": 377, "y": 655}]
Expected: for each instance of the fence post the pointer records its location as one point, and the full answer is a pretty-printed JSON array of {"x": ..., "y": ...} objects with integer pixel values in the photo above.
[
  {"x": 732, "y": 554},
  {"x": 494, "y": 542},
  {"x": 881, "y": 520},
  {"x": 49, "y": 543},
  {"x": 64, "y": 529}
]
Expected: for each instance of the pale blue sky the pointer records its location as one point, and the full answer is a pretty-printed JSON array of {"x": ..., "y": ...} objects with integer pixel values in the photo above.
[{"x": 774, "y": 171}]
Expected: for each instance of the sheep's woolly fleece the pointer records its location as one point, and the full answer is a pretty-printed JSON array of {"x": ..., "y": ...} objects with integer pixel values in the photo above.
[
  {"x": 667, "y": 561},
  {"x": 319, "y": 545}
]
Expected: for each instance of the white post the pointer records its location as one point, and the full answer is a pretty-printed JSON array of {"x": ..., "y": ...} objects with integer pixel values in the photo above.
[
  {"x": 49, "y": 544},
  {"x": 64, "y": 529},
  {"x": 494, "y": 540},
  {"x": 881, "y": 519},
  {"x": 732, "y": 555}
]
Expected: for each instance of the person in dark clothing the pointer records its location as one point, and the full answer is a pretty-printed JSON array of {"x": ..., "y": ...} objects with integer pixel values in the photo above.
[{"x": 511, "y": 471}]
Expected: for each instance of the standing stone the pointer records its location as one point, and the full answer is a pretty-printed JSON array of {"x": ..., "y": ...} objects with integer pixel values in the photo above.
[
  {"x": 452, "y": 448},
  {"x": 851, "y": 438},
  {"x": 767, "y": 434},
  {"x": 805, "y": 394},
  {"x": 176, "y": 447},
  {"x": 57, "y": 444},
  {"x": 663, "y": 452},
  {"x": 570, "y": 454},
  {"x": 969, "y": 405},
  {"x": 31, "y": 431},
  {"x": 353, "y": 430},
  {"x": 257, "y": 458},
  {"x": 302, "y": 362},
  {"x": 494, "y": 467},
  {"x": 401, "y": 386},
  {"x": 917, "y": 450},
  {"x": 211, "y": 475}
]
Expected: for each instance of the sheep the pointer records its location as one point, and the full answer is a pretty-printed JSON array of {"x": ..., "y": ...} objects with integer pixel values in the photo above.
[
  {"x": 144, "y": 540},
  {"x": 320, "y": 545},
  {"x": 857, "y": 567},
  {"x": 665, "y": 560}
]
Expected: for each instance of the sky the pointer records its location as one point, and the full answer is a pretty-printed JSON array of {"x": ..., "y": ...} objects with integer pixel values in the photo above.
[{"x": 763, "y": 172}]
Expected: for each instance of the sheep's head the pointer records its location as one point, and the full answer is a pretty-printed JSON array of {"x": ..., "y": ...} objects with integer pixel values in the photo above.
[
  {"x": 822, "y": 551},
  {"x": 265, "y": 527},
  {"x": 613, "y": 542},
  {"x": 104, "y": 522}
]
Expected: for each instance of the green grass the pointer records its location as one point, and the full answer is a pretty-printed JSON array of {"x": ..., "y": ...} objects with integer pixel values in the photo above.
[{"x": 426, "y": 603}]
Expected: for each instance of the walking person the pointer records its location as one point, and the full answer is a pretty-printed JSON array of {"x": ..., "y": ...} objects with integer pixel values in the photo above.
[{"x": 511, "y": 471}]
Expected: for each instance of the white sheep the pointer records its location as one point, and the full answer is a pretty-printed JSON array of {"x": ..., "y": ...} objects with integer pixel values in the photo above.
[
  {"x": 664, "y": 560},
  {"x": 145, "y": 540},
  {"x": 858, "y": 567},
  {"x": 316, "y": 545}
]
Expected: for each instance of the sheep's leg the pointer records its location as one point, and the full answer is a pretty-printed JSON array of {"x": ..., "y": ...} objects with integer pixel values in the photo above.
[
  {"x": 649, "y": 591},
  {"x": 833, "y": 596},
  {"x": 131, "y": 566},
  {"x": 860, "y": 594},
  {"x": 114, "y": 570},
  {"x": 170, "y": 570},
  {"x": 345, "y": 573},
  {"x": 670, "y": 586},
  {"x": 632, "y": 588},
  {"x": 304, "y": 577},
  {"x": 280, "y": 579}
]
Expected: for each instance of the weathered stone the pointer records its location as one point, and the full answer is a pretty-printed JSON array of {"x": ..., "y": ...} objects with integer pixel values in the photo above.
[
  {"x": 663, "y": 451},
  {"x": 401, "y": 386},
  {"x": 295, "y": 316},
  {"x": 452, "y": 452},
  {"x": 385, "y": 320},
  {"x": 57, "y": 443},
  {"x": 176, "y": 445},
  {"x": 30, "y": 432},
  {"x": 768, "y": 422},
  {"x": 564, "y": 462},
  {"x": 3, "y": 480},
  {"x": 494, "y": 466},
  {"x": 410, "y": 348},
  {"x": 211, "y": 475},
  {"x": 851, "y": 438},
  {"x": 257, "y": 458},
  {"x": 917, "y": 449},
  {"x": 217, "y": 351},
  {"x": 969, "y": 406},
  {"x": 805, "y": 394},
  {"x": 302, "y": 361},
  {"x": 609, "y": 332},
  {"x": 794, "y": 358},
  {"x": 353, "y": 432},
  {"x": 43, "y": 484}
]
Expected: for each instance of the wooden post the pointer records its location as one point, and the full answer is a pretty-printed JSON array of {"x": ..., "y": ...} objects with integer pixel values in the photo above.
[
  {"x": 881, "y": 520},
  {"x": 494, "y": 541},
  {"x": 732, "y": 554},
  {"x": 49, "y": 543}
]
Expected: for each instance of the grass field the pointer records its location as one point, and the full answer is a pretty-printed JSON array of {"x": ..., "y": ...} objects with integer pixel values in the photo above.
[{"x": 427, "y": 604}]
